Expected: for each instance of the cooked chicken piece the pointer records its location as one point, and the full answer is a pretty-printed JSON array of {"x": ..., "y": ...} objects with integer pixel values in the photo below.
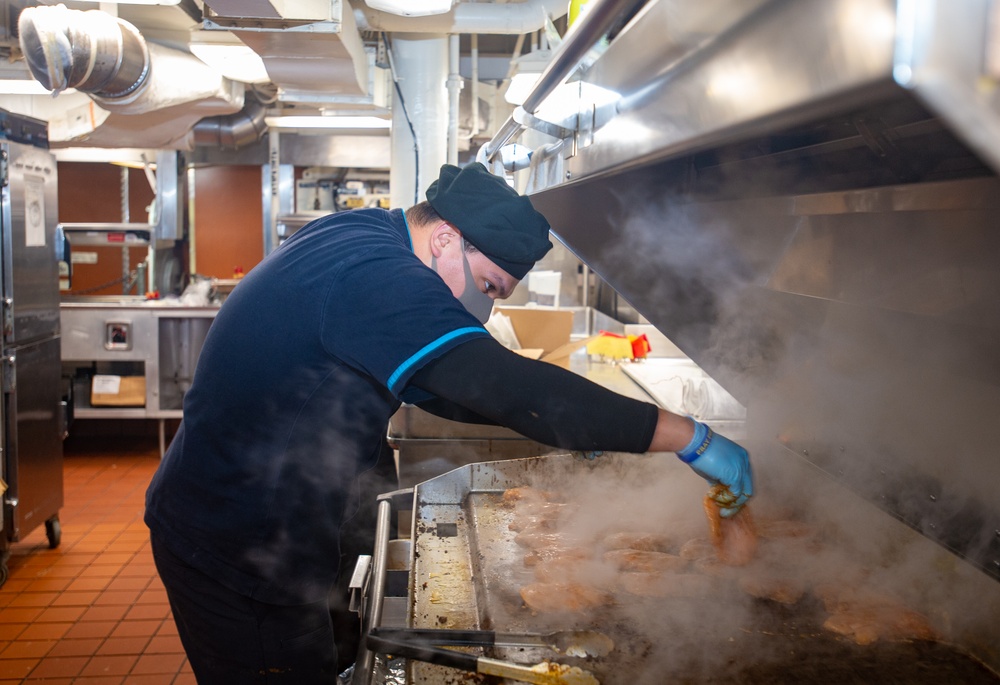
[
  {"x": 559, "y": 552},
  {"x": 539, "y": 515},
  {"x": 698, "y": 548},
  {"x": 537, "y": 539},
  {"x": 712, "y": 566},
  {"x": 861, "y": 629},
  {"x": 866, "y": 617},
  {"x": 774, "y": 588},
  {"x": 735, "y": 538},
  {"x": 583, "y": 571},
  {"x": 559, "y": 597},
  {"x": 911, "y": 625},
  {"x": 649, "y": 542},
  {"x": 644, "y": 562},
  {"x": 686, "y": 585}
]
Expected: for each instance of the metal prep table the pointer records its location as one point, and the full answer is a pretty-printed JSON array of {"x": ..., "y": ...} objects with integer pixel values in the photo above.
[{"x": 157, "y": 340}]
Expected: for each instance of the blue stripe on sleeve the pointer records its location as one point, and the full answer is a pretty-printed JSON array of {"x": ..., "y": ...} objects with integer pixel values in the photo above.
[{"x": 429, "y": 348}]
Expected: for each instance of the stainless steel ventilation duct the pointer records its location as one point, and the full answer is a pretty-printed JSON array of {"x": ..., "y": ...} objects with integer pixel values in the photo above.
[
  {"x": 144, "y": 94},
  {"x": 233, "y": 131},
  {"x": 311, "y": 50},
  {"x": 91, "y": 51}
]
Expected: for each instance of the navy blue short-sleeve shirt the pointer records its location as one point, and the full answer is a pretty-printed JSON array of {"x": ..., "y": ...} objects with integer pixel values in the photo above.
[{"x": 300, "y": 372}]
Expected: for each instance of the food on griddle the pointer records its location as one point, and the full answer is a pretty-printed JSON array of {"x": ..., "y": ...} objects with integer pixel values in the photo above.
[
  {"x": 650, "y": 542},
  {"x": 582, "y": 571},
  {"x": 526, "y": 493},
  {"x": 713, "y": 566},
  {"x": 735, "y": 538},
  {"x": 695, "y": 549},
  {"x": 561, "y": 551},
  {"x": 536, "y": 539},
  {"x": 859, "y": 628},
  {"x": 537, "y": 515},
  {"x": 674, "y": 585},
  {"x": 865, "y": 625},
  {"x": 531, "y": 523},
  {"x": 774, "y": 588},
  {"x": 544, "y": 539},
  {"x": 866, "y": 616},
  {"x": 644, "y": 562},
  {"x": 564, "y": 597}
]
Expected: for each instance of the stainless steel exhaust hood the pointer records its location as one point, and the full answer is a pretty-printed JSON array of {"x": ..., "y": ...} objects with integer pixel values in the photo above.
[{"x": 803, "y": 196}]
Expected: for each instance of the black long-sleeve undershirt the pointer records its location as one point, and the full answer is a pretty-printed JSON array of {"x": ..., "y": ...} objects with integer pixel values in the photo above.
[{"x": 483, "y": 382}]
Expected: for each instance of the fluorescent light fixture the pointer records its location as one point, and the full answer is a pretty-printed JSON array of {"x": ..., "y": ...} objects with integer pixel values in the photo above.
[
  {"x": 569, "y": 99},
  {"x": 328, "y": 122},
  {"x": 520, "y": 87},
  {"x": 131, "y": 157},
  {"x": 527, "y": 70},
  {"x": 22, "y": 86},
  {"x": 411, "y": 8},
  {"x": 235, "y": 61}
]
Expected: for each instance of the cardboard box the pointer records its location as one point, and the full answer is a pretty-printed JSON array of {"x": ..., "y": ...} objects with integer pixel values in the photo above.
[
  {"x": 544, "y": 333},
  {"x": 118, "y": 391}
]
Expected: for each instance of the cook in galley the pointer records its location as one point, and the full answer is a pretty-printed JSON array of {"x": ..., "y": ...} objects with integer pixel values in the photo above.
[{"x": 256, "y": 501}]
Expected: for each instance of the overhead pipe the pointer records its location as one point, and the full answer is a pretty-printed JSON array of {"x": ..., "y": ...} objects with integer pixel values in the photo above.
[
  {"x": 466, "y": 17},
  {"x": 420, "y": 66},
  {"x": 232, "y": 131},
  {"x": 454, "y": 84},
  {"x": 474, "y": 59},
  {"x": 91, "y": 51},
  {"x": 589, "y": 28},
  {"x": 149, "y": 94}
]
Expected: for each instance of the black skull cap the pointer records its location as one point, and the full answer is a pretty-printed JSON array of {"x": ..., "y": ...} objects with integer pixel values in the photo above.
[{"x": 491, "y": 215}]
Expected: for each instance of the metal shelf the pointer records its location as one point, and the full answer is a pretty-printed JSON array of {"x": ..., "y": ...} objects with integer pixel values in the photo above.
[
  {"x": 109, "y": 234},
  {"x": 110, "y": 413}
]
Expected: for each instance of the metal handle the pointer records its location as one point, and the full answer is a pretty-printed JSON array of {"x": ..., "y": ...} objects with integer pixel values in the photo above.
[
  {"x": 366, "y": 658},
  {"x": 587, "y": 31}
]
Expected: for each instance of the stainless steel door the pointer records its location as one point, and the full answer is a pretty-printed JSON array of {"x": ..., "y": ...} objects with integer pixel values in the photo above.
[
  {"x": 33, "y": 456},
  {"x": 30, "y": 270}
]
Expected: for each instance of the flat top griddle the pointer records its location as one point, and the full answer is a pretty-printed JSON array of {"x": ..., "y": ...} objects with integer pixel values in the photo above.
[{"x": 468, "y": 571}]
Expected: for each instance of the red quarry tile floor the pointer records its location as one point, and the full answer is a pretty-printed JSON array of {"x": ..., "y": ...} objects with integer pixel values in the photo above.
[{"x": 92, "y": 611}]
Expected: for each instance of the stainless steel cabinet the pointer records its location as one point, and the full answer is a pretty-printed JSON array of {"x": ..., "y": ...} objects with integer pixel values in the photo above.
[
  {"x": 155, "y": 341},
  {"x": 31, "y": 421}
]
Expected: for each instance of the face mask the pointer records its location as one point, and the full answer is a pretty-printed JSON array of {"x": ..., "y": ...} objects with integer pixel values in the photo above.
[{"x": 478, "y": 303}]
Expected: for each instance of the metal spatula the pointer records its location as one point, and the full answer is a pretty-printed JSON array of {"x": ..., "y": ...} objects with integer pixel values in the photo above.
[
  {"x": 578, "y": 643},
  {"x": 417, "y": 644}
]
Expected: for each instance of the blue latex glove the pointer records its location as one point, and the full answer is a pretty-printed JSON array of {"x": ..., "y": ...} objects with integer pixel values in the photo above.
[{"x": 719, "y": 460}]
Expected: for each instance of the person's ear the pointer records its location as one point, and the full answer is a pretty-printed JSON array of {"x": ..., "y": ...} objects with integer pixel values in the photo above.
[{"x": 443, "y": 235}]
